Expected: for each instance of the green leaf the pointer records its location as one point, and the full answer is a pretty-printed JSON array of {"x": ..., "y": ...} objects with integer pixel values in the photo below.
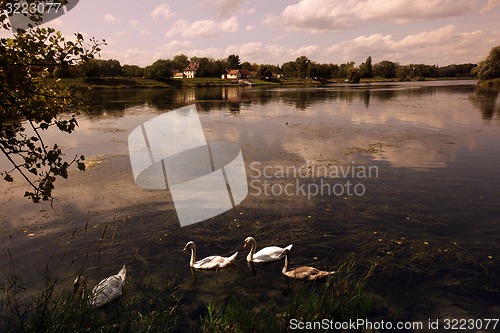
[{"x": 8, "y": 178}]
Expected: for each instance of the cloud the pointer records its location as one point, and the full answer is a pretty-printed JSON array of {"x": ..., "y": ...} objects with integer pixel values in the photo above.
[
  {"x": 173, "y": 48},
  {"x": 324, "y": 15},
  {"x": 250, "y": 27},
  {"x": 162, "y": 11},
  {"x": 490, "y": 4},
  {"x": 134, "y": 23},
  {"x": 265, "y": 53},
  {"x": 225, "y": 8},
  {"x": 203, "y": 28},
  {"x": 442, "y": 46},
  {"x": 129, "y": 56},
  {"x": 109, "y": 18}
]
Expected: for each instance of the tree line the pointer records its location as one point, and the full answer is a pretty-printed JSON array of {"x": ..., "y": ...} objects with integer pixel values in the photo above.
[{"x": 302, "y": 67}]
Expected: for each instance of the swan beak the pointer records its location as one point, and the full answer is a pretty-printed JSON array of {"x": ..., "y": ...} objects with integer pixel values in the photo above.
[{"x": 245, "y": 244}]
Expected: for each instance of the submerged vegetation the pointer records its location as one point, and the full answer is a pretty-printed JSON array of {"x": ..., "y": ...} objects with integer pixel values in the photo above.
[{"x": 59, "y": 308}]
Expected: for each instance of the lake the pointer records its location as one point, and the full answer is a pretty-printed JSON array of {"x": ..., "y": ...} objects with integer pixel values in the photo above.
[{"x": 403, "y": 175}]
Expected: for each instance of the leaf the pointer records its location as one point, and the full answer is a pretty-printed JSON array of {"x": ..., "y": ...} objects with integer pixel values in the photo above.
[
  {"x": 81, "y": 166},
  {"x": 8, "y": 178}
]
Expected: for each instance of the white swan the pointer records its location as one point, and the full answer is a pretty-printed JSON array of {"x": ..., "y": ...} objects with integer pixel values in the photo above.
[
  {"x": 305, "y": 272},
  {"x": 211, "y": 262},
  {"x": 108, "y": 289},
  {"x": 267, "y": 254}
]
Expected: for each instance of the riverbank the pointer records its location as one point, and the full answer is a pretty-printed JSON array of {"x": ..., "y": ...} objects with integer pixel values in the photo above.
[{"x": 143, "y": 83}]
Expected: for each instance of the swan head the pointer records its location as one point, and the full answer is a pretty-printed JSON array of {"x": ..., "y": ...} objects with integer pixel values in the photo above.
[
  {"x": 248, "y": 240},
  {"x": 189, "y": 245},
  {"x": 285, "y": 252}
]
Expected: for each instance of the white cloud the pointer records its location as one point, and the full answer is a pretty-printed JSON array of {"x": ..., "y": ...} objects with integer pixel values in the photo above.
[
  {"x": 173, "y": 48},
  {"x": 250, "y": 27},
  {"x": 442, "y": 46},
  {"x": 203, "y": 28},
  {"x": 324, "y": 15},
  {"x": 162, "y": 11},
  {"x": 109, "y": 18},
  {"x": 145, "y": 32},
  {"x": 490, "y": 4},
  {"x": 225, "y": 8},
  {"x": 129, "y": 56},
  {"x": 264, "y": 53},
  {"x": 134, "y": 23}
]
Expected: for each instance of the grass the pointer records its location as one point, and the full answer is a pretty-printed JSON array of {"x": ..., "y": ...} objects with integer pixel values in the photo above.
[
  {"x": 341, "y": 298},
  {"x": 143, "y": 83},
  {"x": 116, "y": 83},
  {"x": 58, "y": 309}
]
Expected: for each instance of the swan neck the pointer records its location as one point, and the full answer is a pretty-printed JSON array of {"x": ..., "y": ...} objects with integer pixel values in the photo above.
[
  {"x": 193, "y": 255},
  {"x": 285, "y": 266},
  {"x": 252, "y": 249}
]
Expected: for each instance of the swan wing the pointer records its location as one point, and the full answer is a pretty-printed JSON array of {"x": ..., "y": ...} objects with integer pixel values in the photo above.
[
  {"x": 209, "y": 262},
  {"x": 107, "y": 290},
  {"x": 214, "y": 262},
  {"x": 268, "y": 254},
  {"x": 228, "y": 260},
  {"x": 319, "y": 275}
]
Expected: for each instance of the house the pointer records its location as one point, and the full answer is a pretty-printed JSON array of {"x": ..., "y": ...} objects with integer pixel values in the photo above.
[
  {"x": 190, "y": 70},
  {"x": 237, "y": 74},
  {"x": 179, "y": 75}
]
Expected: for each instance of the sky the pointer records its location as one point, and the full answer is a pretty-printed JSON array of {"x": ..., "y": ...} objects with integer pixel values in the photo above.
[{"x": 434, "y": 32}]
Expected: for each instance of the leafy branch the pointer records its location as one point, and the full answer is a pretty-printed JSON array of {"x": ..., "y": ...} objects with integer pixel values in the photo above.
[{"x": 31, "y": 103}]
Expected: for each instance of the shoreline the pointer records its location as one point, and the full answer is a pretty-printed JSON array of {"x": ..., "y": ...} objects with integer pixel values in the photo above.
[{"x": 143, "y": 83}]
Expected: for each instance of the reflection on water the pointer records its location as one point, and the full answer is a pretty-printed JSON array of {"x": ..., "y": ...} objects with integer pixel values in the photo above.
[{"x": 430, "y": 218}]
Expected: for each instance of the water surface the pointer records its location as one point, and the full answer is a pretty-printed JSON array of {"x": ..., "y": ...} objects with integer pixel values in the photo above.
[{"x": 429, "y": 216}]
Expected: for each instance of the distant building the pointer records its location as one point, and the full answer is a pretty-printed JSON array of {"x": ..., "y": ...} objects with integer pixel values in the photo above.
[
  {"x": 191, "y": 69},
  {"x": 236, "y": 74},
  {"x": 179, "y": 75}
]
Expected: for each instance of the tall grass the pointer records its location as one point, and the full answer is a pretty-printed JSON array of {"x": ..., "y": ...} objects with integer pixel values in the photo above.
[
  {"x": 341, "y": 298},
  {"x": 58, "y": 308}
]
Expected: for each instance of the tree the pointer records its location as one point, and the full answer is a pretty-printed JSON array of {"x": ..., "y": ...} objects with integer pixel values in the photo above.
[
  {"x": 132, "y": 71},
  {"x": 353, "y": 75},
  {"x": 111, "y": 68},
  {"x": 234, "y": 61},
  {"x": 302, "y": 65},
  {"x": 385, "y": 69},
  {"x": 180, "y": 62},
  {"x": 289, "y": 69},
  {"x": 489, "y": 68},
  {"x": 248, "y": 66},
  {"x": 29, "y": 104},
  {"x": 264, "y": 73},
  {"x": 161, "y": 69},
  {"x": 90, "y": 69},
  {"x": 342, "y": 72},
  {"x": 322, "y": 71},
  {"x": 366, "y": 68}
]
